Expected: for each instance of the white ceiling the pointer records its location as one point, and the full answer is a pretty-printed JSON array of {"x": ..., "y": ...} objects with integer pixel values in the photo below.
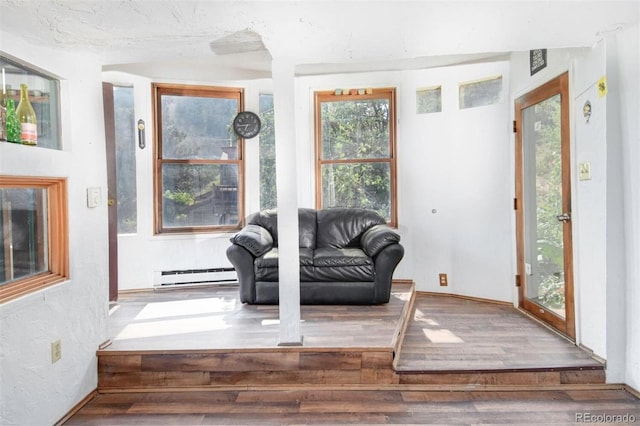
[{"x": 167, "y": 37}]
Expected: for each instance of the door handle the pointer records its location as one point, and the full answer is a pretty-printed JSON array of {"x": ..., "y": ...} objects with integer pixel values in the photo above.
[{"x": 564, "y": 217}]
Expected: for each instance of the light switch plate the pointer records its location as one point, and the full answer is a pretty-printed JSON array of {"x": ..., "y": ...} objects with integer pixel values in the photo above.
[
  {"x": 585, "y": 171},
  {"x": 94, "y": 195}
]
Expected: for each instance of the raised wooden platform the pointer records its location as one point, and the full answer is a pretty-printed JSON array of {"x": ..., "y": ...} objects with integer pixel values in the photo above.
[
  {"x": 204, "y": 338},
  {"x": 459, "y": 341},
  {"x": 197, "y": 356},
  {"x": 209, "y": 340}
]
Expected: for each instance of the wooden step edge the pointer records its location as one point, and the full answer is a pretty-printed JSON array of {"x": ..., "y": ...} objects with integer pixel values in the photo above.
[
  {"x": 403, "y": 324},
  {"x": 505, "y": 370},
  {"x": 633, "y": 391},
  {"x": 274, "y": 349},
  {"x": 372, "y": 387}
]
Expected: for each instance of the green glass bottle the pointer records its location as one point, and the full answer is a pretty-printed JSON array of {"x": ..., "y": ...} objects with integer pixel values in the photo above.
[
  {"x": 3, "y": 120},
  {"x": 27, "y": 117},
  {"x": 13, "y": 124}
]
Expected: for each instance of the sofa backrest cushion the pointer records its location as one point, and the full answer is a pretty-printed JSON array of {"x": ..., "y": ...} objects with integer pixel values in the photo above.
[
  {"x": 342, "y": 227},
  {"x": 268, "y": 219}
]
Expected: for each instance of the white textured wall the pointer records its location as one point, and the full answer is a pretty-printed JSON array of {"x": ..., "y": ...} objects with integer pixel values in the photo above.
[
  {"x": 628, "y": 43},
  {"x": 456, "y": 186},
  {"x": 33, "y": 390},
  {"x": 590, "y": 200},
  {"x": 457, "y": 161}
]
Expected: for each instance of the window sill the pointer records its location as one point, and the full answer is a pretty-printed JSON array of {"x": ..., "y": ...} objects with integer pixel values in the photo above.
[{"x": 29, "y": 285}]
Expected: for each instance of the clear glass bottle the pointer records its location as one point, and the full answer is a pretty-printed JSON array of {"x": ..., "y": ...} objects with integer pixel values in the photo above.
[
  {"x": 13, "y": 124},
  {"x": 27, "y": 117}
]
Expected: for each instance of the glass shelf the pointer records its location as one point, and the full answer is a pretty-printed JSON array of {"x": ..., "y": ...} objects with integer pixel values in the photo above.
[{"x": 44, "y": 94}]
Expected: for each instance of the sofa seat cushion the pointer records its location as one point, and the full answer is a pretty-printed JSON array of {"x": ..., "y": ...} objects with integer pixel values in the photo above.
[
  {"x": 326, "y": 264},
  {"x": 335, "y": 257},
  {"x": 344, "y": 273},
  {"x": 362, "y": 273},
  {"x": 307, "y": 273}
]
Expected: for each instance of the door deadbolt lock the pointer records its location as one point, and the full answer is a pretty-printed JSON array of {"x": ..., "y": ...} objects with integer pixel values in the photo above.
[{"x": 111, "y": 202}]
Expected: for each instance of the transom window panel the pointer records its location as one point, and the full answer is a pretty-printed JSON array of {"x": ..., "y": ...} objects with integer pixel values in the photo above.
[
  {"x": 355, "y": 150},
  {"x": 33, "y": 227},
  {"x": 199, "y": 159},
  {"x": 478, "y": 93},
  {"x": 429, "y": 100}
]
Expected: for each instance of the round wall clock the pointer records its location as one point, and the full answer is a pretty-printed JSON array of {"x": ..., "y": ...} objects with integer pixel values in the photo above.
[{"x": 246, "y": 124}]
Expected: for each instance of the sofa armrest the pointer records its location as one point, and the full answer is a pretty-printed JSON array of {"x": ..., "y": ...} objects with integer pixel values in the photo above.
[
  {"x": 242, "y": 261},
  {"x": 256, "y": 239},
  {"x": 378, "y": 237}
]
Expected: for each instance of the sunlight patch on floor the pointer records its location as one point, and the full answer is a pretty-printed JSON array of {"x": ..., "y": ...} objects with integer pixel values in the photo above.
[
  {"x": 403, "y": 296},
  {"x": 421, "y": 317},
  {"x": 268, "y": 322},
  {"x": 172, "y": 327},
  {"x": 178, "y": 308},
  {"x": 441, "y": 336}
]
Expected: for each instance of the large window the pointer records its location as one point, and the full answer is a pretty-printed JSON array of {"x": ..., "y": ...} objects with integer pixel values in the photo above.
[
  {"x": 355, "y": 150},
  {"x": 199, "y": 159},
  {"x": 33, "y": 226},
  {"x": 43, "y": 95}
]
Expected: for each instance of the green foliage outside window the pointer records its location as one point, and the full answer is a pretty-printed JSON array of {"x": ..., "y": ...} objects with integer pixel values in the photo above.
[{"x": 549, "y": 203}]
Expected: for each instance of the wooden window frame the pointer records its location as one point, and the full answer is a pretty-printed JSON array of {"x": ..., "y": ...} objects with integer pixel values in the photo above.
[
  {"x": 57, "y": 234},
  {"x": 388, "y": 93},
  {"x": 159, "y": 89}
]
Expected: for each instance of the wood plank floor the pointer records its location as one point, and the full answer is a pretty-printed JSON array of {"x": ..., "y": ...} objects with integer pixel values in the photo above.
[
  {"x": 459, "y": 361},
  {"x": 272, "y": 407},
  {"x": 449, "y": 333}
]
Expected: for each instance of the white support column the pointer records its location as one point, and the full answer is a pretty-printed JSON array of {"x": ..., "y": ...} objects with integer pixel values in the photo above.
[{"x": 283, "y": 74}]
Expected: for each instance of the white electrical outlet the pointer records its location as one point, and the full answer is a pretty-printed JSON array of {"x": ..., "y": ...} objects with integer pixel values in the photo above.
[{"x": 56, "y": 351}]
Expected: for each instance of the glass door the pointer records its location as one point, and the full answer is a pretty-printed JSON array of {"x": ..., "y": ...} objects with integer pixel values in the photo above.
[{"x": 543, "y": 205}]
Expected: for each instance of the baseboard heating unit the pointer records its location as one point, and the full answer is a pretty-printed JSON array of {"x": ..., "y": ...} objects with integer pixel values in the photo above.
[{"x": 193, "y": 277}]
